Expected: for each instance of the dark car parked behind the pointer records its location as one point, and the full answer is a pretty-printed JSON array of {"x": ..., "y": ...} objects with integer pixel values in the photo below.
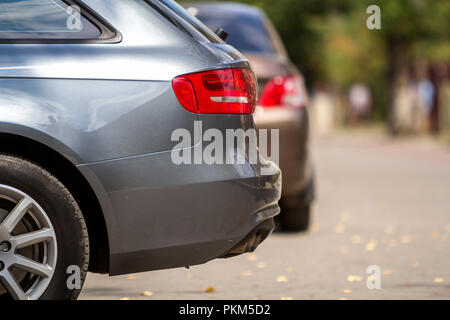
[{"x": 283, "y": 101}]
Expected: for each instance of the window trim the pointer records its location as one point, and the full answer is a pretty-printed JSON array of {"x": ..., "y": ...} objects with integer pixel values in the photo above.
[
  {"x": 108, "y": 34},
  {"x": 179, "y": 22}
]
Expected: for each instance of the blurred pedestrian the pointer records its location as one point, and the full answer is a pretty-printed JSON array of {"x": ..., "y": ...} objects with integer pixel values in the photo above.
[
  {"x": 426, "y": 95},
  {"x": 360, "y": 99},
  {"x": 322, "y": 109}
]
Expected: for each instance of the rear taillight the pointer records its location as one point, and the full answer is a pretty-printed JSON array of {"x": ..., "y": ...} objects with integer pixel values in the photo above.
[
  {"x": 218, "y": 91},
  {"x": 286, "y": 91}
]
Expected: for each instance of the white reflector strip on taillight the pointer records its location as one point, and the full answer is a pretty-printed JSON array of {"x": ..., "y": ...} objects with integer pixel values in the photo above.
[{"x": 230, "y": 99}]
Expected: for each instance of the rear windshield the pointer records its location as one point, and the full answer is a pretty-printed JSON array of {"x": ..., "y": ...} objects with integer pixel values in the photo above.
[
  {"x": 194, "y": 27},
  {"x": 246, "y": 33}
]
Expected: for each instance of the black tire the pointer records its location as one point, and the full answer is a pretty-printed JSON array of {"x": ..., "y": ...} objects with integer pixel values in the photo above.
[
  {"x": 63, "y": 212},
  {"x": 296, "y": 210},
  {"x": 295, "y": 219}
]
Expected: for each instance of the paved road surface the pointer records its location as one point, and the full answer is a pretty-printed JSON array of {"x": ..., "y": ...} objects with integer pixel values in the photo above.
[{"x": 381, "y": 202}]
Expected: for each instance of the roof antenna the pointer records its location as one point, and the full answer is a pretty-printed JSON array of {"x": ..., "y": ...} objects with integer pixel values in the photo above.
[{"x": 222, "y": 34}]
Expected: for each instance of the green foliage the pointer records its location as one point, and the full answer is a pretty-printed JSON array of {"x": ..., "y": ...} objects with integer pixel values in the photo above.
[
  {"x": 330, "y": 42},
  {"x": 329, "y": 39}
]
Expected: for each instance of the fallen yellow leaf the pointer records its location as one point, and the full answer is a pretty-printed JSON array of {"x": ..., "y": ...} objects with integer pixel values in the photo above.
[
  {"x": 344, "y": 216},
  {"x": 405, "y": 239},
  {"x": 125, "y": 298},
  {"x": 146, "y": 293},
  {"x": 388, "y": 272},
  {"x": 252, "y": 257},
  {"x": 286, "y": 298},
  {"x": 132, "y": 277},
  {"x": 246, "y": 273},
  {"x": 371, "y": 245},
  {"x": 438, "y": 280},
  {"x": 209, "y": 290},
  {"x": 389, "y": 229},
  {"x": 282, "y": 279},
  {"x": 353, "y": 278},
  {"x": 339, "y": 228},
  {"x": 356, "y": 239},
  {"x": 346, "y": 291},
  {"x": 261, "y": 265}
]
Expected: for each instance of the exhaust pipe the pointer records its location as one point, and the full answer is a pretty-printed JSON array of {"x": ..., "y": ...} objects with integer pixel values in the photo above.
[{"x": 253, "y": 240}]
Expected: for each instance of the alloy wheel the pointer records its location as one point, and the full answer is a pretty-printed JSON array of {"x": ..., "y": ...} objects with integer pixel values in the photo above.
[{"x": 28, "y": 248}]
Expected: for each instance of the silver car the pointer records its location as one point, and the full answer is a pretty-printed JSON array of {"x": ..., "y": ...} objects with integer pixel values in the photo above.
[{"x": 92, "y": 95}]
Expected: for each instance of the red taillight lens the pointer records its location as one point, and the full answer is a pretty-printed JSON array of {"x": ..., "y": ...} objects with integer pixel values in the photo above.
[
  {"x": 285, "y": 91},
  {"x": 218, "y": 91}
]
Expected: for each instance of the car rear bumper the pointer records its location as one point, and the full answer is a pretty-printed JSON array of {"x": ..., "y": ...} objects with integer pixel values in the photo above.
[{"x": 196, "y": 213}]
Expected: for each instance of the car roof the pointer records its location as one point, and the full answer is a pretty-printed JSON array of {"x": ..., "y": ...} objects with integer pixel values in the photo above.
[{"x": 228, "y": 8}]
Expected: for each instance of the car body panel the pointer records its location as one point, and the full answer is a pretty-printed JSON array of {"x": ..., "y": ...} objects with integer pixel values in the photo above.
[
  {"x": 98, "y": 119},
  {"x": 172, "y": 206}
]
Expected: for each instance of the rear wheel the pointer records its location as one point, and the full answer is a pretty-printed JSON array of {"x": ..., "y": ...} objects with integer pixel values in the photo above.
[
  {"x": 295, "y": 219},
  {"x": 296, "y": 210},
  {"x": 42, "y": 234}
]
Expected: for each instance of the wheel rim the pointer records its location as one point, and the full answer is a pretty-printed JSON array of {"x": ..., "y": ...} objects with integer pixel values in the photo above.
[{"x": 28, "y": 248}]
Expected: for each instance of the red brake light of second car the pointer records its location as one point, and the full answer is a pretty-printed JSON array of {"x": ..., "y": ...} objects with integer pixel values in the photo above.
[
  {"x": 288, "y": 91},
  {"x": 225, "y": 91}
]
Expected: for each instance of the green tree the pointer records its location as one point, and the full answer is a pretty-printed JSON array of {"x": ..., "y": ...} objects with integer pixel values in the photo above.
[{"x": 330, "y": 41}]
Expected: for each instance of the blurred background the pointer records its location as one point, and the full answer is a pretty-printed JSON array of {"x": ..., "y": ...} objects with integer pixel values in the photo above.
[
  {"x": 402, "y": 71},
  {"x": 379, "y": 106}
]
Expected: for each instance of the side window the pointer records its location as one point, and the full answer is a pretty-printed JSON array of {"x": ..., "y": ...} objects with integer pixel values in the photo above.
[{"x": 44, "y": 19}]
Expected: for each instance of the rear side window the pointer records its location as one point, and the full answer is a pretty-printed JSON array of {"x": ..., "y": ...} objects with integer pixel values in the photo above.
[
  {"x": 247, "y": 33},
  {"x": 44, "y": 19}
]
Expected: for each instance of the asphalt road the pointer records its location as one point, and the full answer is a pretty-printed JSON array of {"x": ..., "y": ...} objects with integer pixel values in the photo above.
[{"x": 381, "y": 202}]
